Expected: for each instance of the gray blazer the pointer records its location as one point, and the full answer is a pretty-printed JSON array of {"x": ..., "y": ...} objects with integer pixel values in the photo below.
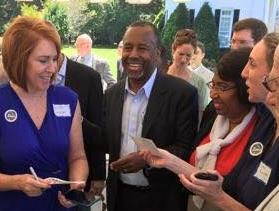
[{"x": 100, "y": 65}]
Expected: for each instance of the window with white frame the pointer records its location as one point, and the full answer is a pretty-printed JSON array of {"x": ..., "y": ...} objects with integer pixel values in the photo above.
[{"x": 225, "y": 27}]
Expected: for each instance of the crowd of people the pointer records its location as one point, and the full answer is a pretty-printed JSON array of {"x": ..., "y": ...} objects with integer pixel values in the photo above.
[{"x": 59, "y": 121}]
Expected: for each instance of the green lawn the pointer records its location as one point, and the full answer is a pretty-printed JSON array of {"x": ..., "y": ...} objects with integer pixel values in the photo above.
[{"x": 109, "y": 54}]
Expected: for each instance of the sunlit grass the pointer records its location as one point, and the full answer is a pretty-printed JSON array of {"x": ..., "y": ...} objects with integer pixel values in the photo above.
[{"x": 109, "y": 54}]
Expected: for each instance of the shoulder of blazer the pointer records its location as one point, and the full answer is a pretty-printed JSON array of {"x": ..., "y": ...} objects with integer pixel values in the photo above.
[
  {"x": 116, "y": 88},
  {"x": 81, "y": 70},
  {"x": 98, "y": 62},
  {"x": 173, "y": 84}
]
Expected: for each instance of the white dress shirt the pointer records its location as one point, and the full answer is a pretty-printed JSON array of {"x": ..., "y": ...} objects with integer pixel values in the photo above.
[{"x": 134, "y": 108}]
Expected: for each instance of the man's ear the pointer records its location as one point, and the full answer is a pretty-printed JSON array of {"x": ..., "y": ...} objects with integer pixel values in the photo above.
[
  {"x": 158, "y": 55},
  {"x": 203, "y": 55},
  {"x": 158, "y": 52}
]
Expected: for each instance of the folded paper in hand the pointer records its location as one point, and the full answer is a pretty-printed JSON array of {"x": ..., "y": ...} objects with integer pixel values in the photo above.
[
  {"x": 146, "y": 144},
  {"x": 57, "y": 181}
]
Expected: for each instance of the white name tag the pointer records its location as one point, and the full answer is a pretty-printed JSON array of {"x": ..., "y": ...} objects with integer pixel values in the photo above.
[
  {"x": 62, "y": 110},
  {"x": 263, "y": 172}
]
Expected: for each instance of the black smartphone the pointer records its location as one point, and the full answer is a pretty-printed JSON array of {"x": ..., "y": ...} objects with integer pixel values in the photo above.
[
  {"x": 206, "y": 176},
  {"x": 81, "y": 198}
]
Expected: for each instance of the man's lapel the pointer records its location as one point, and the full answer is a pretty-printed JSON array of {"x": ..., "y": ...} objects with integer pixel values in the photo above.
[
  {"x": 68, "y": 73},
  {"x": 118, "y": 102},
  {"x": 155, "y": 103}
]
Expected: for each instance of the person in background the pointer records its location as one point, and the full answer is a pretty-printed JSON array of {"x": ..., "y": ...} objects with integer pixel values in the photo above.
[
  {"x": 84, "y": 45},
  {"x": 120, "y": 71},
  {"x": 258, "y": 174},
  {"x": 183, "y": 47},
  {"x": 3, "y": 75},
  {"x": 151, "y": 105},
  {"x": 197, "y": 66},
  {"x": 87, "y": 84},
  {"x": 196, "y": 63},
  {"x": 40, "y": 123},
  {"x": 247, "y": 32}
]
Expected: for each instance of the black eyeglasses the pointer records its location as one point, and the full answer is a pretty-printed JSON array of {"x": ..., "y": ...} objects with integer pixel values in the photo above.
[
  {"x": 220, "y": 87},
  {"x": 270, "y": 84}
]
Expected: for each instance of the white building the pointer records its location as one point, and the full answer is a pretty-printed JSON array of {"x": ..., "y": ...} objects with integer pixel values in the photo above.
[{"x": 227, "y": 12}]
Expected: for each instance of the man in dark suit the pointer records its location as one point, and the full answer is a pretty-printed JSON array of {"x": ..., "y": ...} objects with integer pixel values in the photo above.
[
  {"x": 150, "y": 105},
  {"x": 87, "y": 84}
]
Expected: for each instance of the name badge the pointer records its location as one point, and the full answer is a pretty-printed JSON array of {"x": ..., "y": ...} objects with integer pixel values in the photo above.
[
  {"x": 10, "y": 115},
  {"x": 62, "y": 110},
  {"x": 263, "y": 172},
  {"x": 256, "y": 149}
]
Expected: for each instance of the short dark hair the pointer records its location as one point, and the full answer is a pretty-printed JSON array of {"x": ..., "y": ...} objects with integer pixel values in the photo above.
[
  {"x": 153, "y": 28},
  {"x": 271, "y": 40},
  {"x": 257, "y": 27},
  {"x": 185, "y": 36},
  {"x": 19, "y": 40},
  {"x": 229, "y": 68}
]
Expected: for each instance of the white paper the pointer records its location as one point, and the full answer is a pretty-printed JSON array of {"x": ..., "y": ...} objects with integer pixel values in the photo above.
[
  {"x": 57, "y": 181},
  {"x": 146, "y": 144}
]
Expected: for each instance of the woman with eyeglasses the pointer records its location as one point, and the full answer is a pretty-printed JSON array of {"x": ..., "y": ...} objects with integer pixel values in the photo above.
[
  {"x": 224, "y": 138},
  {"x": 257, "y": 174}
]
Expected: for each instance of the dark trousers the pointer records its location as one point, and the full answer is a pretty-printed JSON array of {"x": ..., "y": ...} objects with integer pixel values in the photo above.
[
  {"x": 133, "y": 198},
  {"x": 83, "y": 209},
  {"x": 168, "y": 197}
]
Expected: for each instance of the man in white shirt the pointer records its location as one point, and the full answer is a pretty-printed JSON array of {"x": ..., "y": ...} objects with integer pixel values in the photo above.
[
  {"x": 197, "y": 67},
  {"x": 152, "y": 105}
]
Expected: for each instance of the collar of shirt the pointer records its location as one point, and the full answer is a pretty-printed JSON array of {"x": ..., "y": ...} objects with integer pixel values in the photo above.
[
  {"x": 62, "y": 70},
  {"x": 87, "y": 57},
  {"x": 61, "y": 74},
  {"x": 86, "y": 60},
  {"x": 193, "y": 69},
  {"x": 147, "y": 87}
]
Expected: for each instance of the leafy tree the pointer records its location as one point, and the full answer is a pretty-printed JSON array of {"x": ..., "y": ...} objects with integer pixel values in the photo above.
[
  {"x": 205, "y": 27},
  {"x": 57, "y": 14},
  {"x": 179, "y": 19},
  {"x": 78, "y": 16},
  {"x": 159, "y": 21},
  {"x": 106, "y": 23},
  {"x": 30, "y": 10},
  {"x": 8, "y": 10},
  {"x": 109, "y": 21},
  {"x": 38, "y": 3}
]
